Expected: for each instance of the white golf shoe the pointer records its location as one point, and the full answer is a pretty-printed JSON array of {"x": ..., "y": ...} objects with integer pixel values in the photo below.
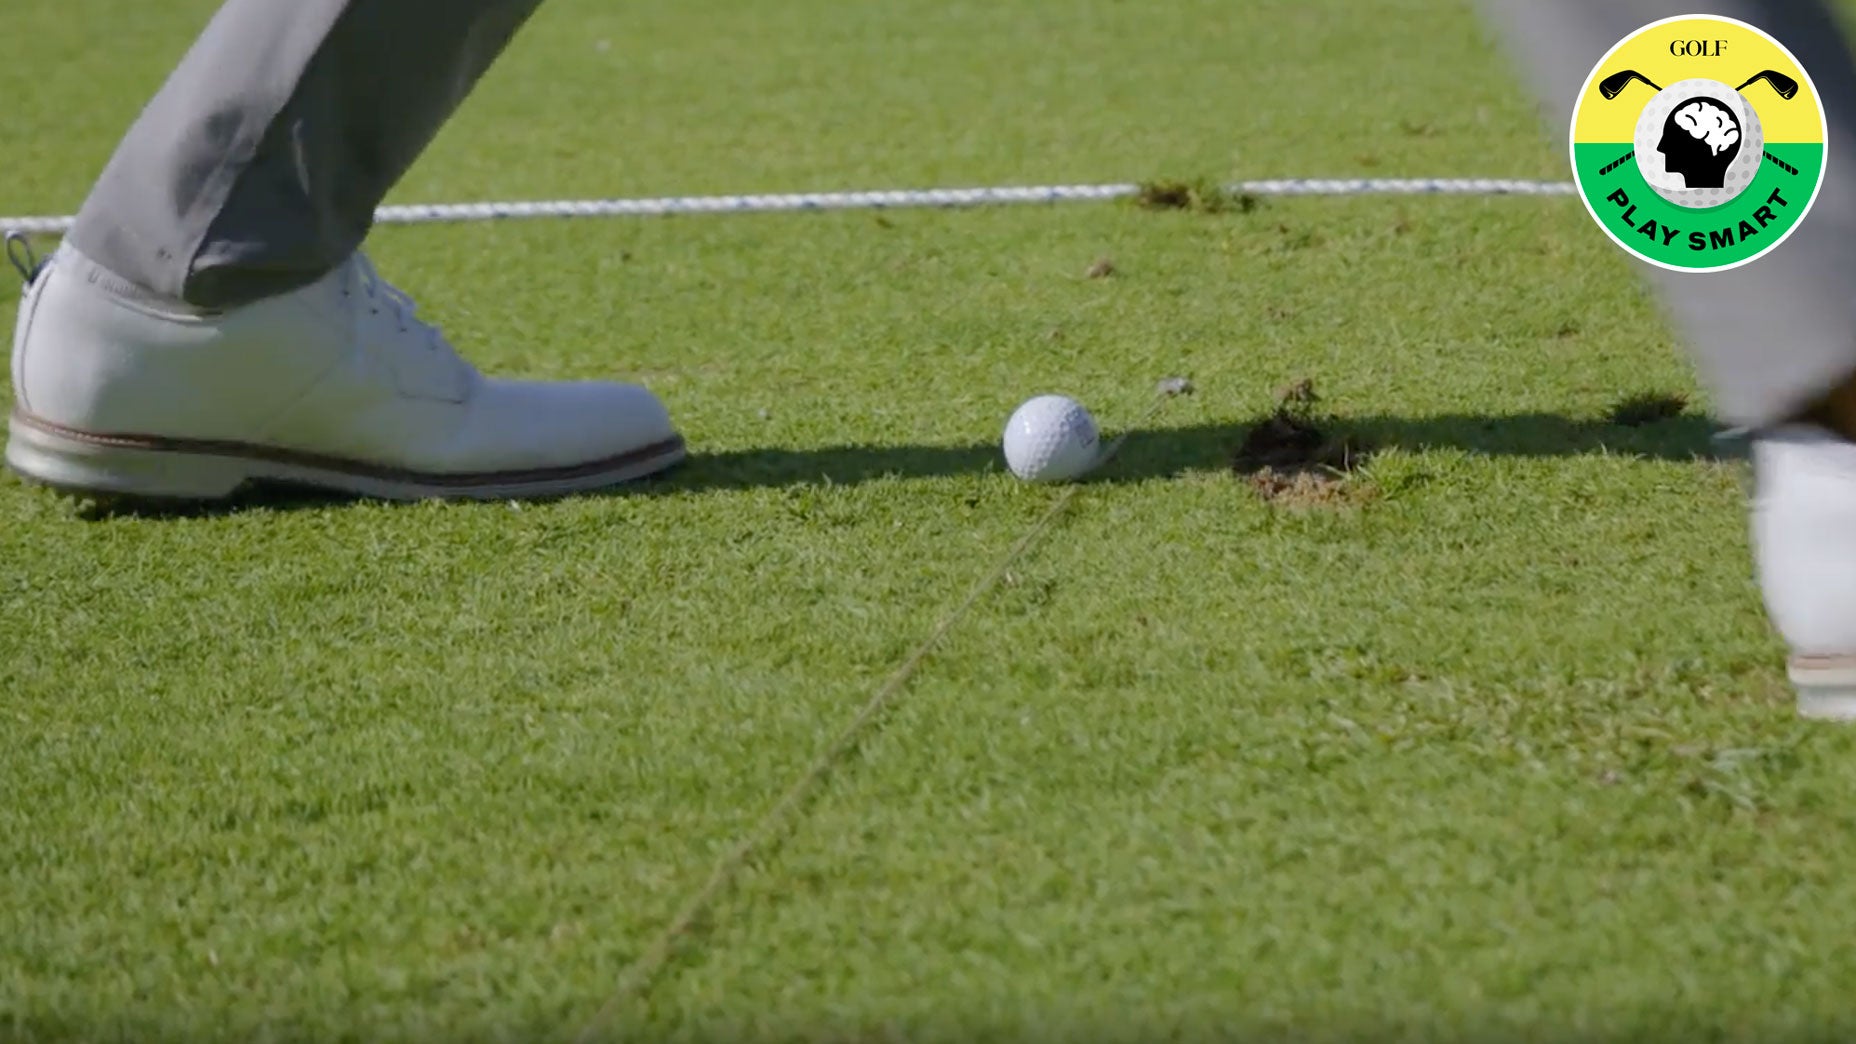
[
  {"x": 1804, "y": 538},
  {"x": 336, "y": 386}
]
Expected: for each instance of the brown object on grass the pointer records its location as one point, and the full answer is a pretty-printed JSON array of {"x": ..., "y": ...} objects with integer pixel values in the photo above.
[
  {"x": 1635, "y": 411},
  {"x": 1288, "y": 459}
]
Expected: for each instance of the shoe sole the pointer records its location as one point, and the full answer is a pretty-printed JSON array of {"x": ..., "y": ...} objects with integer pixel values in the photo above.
[
  {"x": 1826, "y": 686},
  {"x": 138, "y": 467}
]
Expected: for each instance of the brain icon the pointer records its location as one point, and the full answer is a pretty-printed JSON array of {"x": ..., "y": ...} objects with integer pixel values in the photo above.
[{"x": 1709, "y": 123}]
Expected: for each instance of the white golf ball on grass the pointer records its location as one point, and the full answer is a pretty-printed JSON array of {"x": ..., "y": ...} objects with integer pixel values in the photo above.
[{"x": 1051, "y": 438}]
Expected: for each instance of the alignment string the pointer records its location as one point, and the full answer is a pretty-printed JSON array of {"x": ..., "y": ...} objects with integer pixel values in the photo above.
[
  {"x": 886, "y": 199},
  {"x": 643, "y": 971}
]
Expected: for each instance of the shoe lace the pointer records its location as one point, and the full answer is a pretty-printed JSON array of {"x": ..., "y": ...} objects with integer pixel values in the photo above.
[
  {"x": 385, "y": 298},
  {"x": 19, "y": 251}
]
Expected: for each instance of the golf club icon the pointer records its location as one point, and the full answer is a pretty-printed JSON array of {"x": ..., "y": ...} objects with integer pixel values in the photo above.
[{"x": 1613, "y": 85}]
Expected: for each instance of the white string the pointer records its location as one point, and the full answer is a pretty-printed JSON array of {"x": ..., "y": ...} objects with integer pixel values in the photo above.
[{"x": 421, "y": 214}]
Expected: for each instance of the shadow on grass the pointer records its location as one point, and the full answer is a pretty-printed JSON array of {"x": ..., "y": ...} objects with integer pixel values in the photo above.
[
  {"x": 1147, "y": 455},
  {"x": 1167, "y": 452}
]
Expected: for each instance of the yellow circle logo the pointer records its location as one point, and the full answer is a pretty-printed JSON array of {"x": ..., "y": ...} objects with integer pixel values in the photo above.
[{"x": 1698, "y": 143}]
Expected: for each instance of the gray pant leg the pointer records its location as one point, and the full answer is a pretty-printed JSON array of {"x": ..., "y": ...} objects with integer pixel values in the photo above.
[
  {"x": 1771, "y": 337},
  {"x": 258, "y": 166}
]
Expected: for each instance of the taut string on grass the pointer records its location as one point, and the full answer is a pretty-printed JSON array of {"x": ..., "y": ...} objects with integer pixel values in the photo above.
[
  {"x": 886, "y": 199},
  {"x": 644, "y": 970}
]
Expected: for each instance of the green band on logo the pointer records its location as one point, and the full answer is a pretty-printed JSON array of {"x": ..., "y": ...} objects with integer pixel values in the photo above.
[{"x": 1698, "y": 237}]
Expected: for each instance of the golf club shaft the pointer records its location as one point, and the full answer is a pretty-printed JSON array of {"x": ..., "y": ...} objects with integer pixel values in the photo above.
[{"x": 1616, "y": 163}]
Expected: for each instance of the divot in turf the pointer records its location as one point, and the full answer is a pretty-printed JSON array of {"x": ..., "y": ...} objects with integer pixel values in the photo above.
[{"x": 1291, "y": 460}]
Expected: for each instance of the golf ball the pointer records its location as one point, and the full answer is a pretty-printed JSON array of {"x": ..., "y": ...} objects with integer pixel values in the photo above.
[{"x": 1051, "y": 438}]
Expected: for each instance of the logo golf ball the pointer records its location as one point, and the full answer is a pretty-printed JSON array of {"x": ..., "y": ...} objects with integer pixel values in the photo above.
[{"x": 1051, "y": 438}]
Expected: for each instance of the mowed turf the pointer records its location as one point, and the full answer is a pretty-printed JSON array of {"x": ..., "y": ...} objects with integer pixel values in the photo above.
[{"x": 1492, "y": 740}]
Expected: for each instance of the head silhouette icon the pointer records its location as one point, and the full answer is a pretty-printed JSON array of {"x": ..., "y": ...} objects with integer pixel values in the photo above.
[{"x": 1700, "y": 140}]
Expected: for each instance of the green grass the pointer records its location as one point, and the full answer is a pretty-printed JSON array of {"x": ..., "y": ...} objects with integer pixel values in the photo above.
[{"x": 1497, "y": 745}]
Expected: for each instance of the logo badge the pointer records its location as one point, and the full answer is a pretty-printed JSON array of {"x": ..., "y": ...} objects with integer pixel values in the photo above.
[{"x": 1698, "y": 143}]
